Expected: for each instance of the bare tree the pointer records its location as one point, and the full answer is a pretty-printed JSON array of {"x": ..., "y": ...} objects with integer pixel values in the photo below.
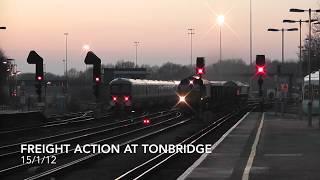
[{"x": 124, "y": 64}]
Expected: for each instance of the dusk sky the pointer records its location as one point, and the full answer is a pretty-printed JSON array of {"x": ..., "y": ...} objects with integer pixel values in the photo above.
[{"x": 110, "y": 27}]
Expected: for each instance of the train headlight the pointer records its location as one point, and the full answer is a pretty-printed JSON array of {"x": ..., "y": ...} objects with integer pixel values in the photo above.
[{"x": 182, "y": 99}]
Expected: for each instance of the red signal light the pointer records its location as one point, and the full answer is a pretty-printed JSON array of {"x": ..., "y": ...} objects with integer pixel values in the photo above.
[
  {"x": 146, "y": 121},
  {"x": 13, "y": 94},
  {"x": 97, "y": 79},
  {"x": 200, "y": 71},
  {"x": 114, "y": 98},
  {"x": 39, "y": 78},
  {"x": 261, "y": 70},
  {"x": 126, "y": 98}
]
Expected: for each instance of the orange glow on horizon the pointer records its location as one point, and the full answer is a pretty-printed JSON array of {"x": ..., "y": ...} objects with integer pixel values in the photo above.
[{"x": 109, "y": 27}]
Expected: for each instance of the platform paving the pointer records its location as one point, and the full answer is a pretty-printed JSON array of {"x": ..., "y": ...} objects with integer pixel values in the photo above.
[
  {"x": 286, "y": 148},
  {"x": 221, "y": 163}
]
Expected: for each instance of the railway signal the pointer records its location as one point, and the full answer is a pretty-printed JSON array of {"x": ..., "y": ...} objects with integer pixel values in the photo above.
[
  {"x": 260, "y": 65},
  {"x": 34, "y": 58},
  {"x": 97, "y": 79},
  {"x": 91, "y": 58},
  {"x": 96, "y": 86},
  {"x": 260, "y": 70},
  {"x": 200, "y": 69}
]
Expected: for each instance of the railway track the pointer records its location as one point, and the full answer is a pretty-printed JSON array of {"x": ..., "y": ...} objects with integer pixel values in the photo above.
[
  {"x": 110, "y": 131},
  {"x": 54, "y": 117},
  {"x": 55, "y": 128},
  {"x": 76, "y": 117},
  {"x": 143, "y": 170},
  {"x": 79, "y": 117},
  {"x": 69, "y": 162},
  {"x": 78, "y": 163}
]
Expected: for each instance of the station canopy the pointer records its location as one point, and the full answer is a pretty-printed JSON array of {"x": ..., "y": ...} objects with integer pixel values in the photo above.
[{"x": 314, "y": 78}]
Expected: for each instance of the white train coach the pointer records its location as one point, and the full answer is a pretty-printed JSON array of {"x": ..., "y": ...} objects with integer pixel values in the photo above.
[{"x": 131, "y": 94}]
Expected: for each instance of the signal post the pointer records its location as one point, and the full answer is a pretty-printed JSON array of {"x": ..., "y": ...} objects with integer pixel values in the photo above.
[
  {"x": 261, "y": 72},
  {"x": 200, "y": 71},
  {"x": 34, "y": 58},
  {"x": 91, "y": 58},
  {"x": 200, "y": 66}
]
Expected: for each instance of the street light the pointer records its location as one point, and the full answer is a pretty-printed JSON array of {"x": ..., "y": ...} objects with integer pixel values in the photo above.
[
  {"x": 319, "y": 78},
  {"x": 300, "y": 48},
  {"x": 250, "y": 36},
  {"x": 136, "y": 43},
  {"x": 282, "y": 32},
  {"x": 191, "y": 32},
  {"x": 220, "y": 20},
  {"x": 309, "y": 62},
  {"x": 86, "y": 48},
  {"x": 66, "y": 59},
  {"x": 300, "y": 23},
  {"x": 300, "y": 28}
]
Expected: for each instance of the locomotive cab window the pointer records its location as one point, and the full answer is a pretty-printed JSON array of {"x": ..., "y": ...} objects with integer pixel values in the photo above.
[{"x": 120, "y": 89}]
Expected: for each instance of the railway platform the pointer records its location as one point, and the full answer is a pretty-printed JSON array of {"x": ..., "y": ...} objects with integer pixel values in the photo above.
[{"x": 263, "y": 146}]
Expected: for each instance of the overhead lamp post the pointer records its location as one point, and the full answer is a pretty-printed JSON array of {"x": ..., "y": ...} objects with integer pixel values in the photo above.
[
  {"x": 250, "y": 33},
  {"x": 319, "y": 79},
  {"x": 220, "y": 20},
  {"x": 86, "y": 48},
  {"x": 282, "y": 51},
  {"x": 191, "y": 33},
  {"x": 282, "y": 32},
  {"x": 300, "y": 54},
  {"x": 300, "y": 45},
  {"x": 300, "y": 23},
  {"x": 309, "y": 62},
  {"x": 66, "y": 59},
  {"x": 136, "y": 43}
]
